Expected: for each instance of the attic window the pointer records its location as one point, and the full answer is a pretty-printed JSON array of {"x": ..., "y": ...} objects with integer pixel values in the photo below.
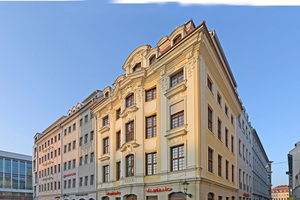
[
  {"x": 177, "y": 39},
  {"x": 137, "y": 66},
  {"x": 152, "y": 59},
  {"x": 106, "y": 94}
]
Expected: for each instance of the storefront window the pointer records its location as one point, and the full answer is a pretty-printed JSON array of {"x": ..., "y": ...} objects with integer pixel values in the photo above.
[{"x": 177, "y": 196}]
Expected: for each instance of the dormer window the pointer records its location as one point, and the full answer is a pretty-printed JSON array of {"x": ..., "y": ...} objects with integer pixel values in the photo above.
[
  {"x": 152, "y": 59},
  {"x": 136, "y": 67},
  {"x": 106, "y": 95},
  {"x": 177, "y": 39},
  {"x": 129, "y": 100}
]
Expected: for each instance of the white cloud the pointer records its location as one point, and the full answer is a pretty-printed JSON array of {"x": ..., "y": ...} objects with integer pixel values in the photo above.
[{"x": 217, "y": 2}]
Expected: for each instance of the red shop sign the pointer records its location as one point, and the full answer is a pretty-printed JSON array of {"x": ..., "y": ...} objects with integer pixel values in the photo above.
[
  {"x": 166, "y": 189},
  {"x": 246, "y": 194},
  {"x": 72, "y": 174},
  {"x": 113, "y": 193}
]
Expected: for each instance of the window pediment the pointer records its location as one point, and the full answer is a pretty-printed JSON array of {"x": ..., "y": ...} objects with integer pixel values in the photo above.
[{"x": 129, "y": 146}]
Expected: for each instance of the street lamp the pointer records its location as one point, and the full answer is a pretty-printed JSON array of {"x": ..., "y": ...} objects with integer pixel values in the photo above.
[{"x": 185, "y": 188}]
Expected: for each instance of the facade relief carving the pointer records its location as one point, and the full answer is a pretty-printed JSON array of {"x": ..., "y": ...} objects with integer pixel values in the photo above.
[
  {"x": 190, "y": 66},
  {"x": 164, "y": 84}
]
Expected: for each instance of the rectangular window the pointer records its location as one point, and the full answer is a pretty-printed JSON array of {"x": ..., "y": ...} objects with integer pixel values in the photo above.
[
  {"x": 80, "y": 181},
  {"x": 65, "y": 184},
  {"x": 219, "y": 129},
  {"x": 69, "y": 147},
  {"x": 74, "y": 126},
  {"x": 92, "y": 157},
  {"x": 226, "y": 137},
  {"x": 92, "y": 136},
  {"x": 65, "y": 132},
  {"x": 151, "y": 126},
  {"x": 177, "y": 78},
  {"x": 151, "y": 94},
  {"x": 86, "y": 138},
  {"x": 129, "y": 100},
  {"x": 58, "y": 168},
  {"x": 65, "y": 149},
  {"x": 74, "y": 183},
  {"x": 80, "y": 161},
  {"x": 130, "y": 131},
  {"x": 74, "y": 144},
  {"x": 129, "y": 165},
  {"x": 118, "y": 140},
  {"x": 219, "y": 165},
  {"x": 70, "y": 129},
  {"x": 151, "y": 198},
  {"x": 210, "y": 160},
  {"x": 151, "y": 163},
  {"x": 86, "y": 157},
  {"x": 92, "y": 180},
  {"x": 118, "y": 112},
  {"x": 209, "y": 119},
  {"x": 177, "y": 158},
  {"x": 177, "y": 119},
  {"x": 232, "y": 122},
  {"x": 219, "y": 99},
  {"x": 227, "y": 169},
  {"x": 232, "y": 144},
  {"x": 58, "y": 137},
  {"x": 86, "y": 118},
  {"x": 80, "y": 122},
  {"x": 105, "y": 173},
  {"x": 118, "y": 175},
  {"x": 209, "y": 84},
  {"x": 69, "y": 165},
  {"x": 226, "y": 110},
  {"x": 105, "y": 121},
  {"x": 74, "y": 163},
  {"x": 65, "y": 166},
  {"x": 80, "y": 141},
  {"x": 69, "y": 183},
  {"x": 106, "y": 145},
  {"x": 86, "y": 178}
]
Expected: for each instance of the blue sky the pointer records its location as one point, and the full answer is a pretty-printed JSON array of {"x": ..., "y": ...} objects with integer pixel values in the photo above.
[{"x": 54, "y": 54}]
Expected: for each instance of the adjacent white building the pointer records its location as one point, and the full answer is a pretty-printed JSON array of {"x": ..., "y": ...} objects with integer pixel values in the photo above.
[
  {"x": 244, "y": 156},
  {"x": 261, "y": 170}
]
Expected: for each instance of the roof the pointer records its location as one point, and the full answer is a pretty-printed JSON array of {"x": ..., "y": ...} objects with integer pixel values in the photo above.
[{"x": 280, "y": 188}]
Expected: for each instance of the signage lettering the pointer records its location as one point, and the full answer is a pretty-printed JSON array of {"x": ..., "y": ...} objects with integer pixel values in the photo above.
[
  {"x": 72, "y": 174},
  {"x": 246, "y": 194},
  {"x": 165, "y": 189},
  {"x": 113, "y": 193}
]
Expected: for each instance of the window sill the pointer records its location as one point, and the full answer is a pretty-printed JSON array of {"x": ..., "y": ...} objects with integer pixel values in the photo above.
[
  {"x": 180, "y": 87},
  {"x": 104, "y": 157},
  {"x": 179, "y": 131},
  {"x": 129, "y": 109},
  {"x": 104, "y": 128}
]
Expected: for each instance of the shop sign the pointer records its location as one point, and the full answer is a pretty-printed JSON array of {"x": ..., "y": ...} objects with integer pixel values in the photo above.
[
  {"x": 113, "y": 193},
  {"x": 165, "y": 189},
  {"x": 72, "y": 174},
  {"x": 246, "y": 195}
]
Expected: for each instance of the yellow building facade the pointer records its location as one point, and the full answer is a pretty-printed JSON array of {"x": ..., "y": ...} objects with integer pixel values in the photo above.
[{"x": 169, "y": 119}]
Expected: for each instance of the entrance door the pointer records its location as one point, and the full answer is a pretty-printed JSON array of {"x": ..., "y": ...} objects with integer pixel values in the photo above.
[
  {"x": 131, "y": 197},
  {"x": 177, "y": 196}
]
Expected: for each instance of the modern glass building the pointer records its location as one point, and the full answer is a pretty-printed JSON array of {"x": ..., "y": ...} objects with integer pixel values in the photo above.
[{"x": 15, "y": 176}]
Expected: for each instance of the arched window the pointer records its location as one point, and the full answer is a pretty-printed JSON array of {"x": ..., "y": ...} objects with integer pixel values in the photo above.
[
  {"x": 105, "y": 198},
  {"x": 177, "y": 39},
  {"x": 177, "y": 196},
  {"x": 106, "y": 94},
  {"x": 137, "y": 66},
  {"x": 129, "y": 165},
  {"x": 210, "y": 196},
  {"x": 131, "y": 197},
  {"x": 152, "y": 59}
]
